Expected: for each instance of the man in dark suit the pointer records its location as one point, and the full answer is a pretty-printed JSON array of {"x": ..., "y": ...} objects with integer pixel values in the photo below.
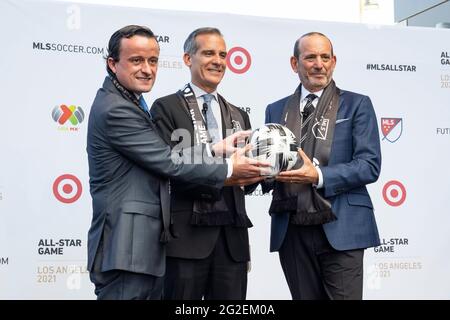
[
  {"x": 322, "y": 214},
  {"x": 209, "y": 258},
  {"x": 129, "y": 168}
]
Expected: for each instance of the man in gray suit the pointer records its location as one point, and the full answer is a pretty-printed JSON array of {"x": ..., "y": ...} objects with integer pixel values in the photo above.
[{"x": 129, "y": 168}]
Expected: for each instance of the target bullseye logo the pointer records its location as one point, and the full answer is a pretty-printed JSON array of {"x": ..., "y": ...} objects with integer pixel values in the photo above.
[
  {"x": 67, "y": 188},
  {"x": 238, "y": 60},
  {"x": 394, "y": 193}
]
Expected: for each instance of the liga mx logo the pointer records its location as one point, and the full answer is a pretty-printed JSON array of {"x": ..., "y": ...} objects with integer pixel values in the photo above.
[
  {"x": 238, "y": 60},
  {"x": 391, "y": 128},
  {"x": 64, "y": 114},
  {"x": 67, "y": 188}
]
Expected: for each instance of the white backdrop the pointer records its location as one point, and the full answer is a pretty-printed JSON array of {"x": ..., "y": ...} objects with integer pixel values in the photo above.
[{"x": 51, "y": 64}]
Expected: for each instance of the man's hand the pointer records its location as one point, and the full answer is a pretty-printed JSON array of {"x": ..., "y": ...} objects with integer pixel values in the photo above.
[
  {"x": 229, "y": 145},
  {"x": 242, "y": 182},
  {"x": 307, "y": 173},
  {"x": 244, "y": 167}
]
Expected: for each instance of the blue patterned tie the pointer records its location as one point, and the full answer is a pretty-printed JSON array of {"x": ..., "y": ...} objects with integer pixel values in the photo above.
[{"x": 211, "y": 123}]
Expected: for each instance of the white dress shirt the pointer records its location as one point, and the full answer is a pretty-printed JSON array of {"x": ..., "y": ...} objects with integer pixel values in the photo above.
[{"x": 215, "y": 107}]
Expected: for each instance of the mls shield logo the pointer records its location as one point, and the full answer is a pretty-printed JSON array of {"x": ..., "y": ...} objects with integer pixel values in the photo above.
[
  {"x": 236, "y": 126},
  {"x": 391, "y": 128},
  {"x": 320, "y": 129}
]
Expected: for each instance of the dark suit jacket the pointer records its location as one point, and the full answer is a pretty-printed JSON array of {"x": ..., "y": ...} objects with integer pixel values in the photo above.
[
  {"x": 127, "y": 163},
  {"x": 196, "y": 242},
  {"x": 355, "y": 161}
]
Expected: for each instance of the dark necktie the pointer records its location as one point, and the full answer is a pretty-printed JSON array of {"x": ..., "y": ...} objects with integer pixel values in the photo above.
[
  {"x": 307, "y": 115},
  {"x": 210, "y": 120}
]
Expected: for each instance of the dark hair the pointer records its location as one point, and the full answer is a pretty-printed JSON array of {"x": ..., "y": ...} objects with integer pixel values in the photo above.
[
  {"x": 190, "y": 45},
  {"x": 113, "y": 50},
  {"x": 314, "y": 33}
]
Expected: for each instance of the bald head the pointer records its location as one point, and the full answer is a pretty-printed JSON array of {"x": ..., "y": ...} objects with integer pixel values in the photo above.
[
  {"x": 309, "y": 34},
  {"x": 314, "y": 61}
]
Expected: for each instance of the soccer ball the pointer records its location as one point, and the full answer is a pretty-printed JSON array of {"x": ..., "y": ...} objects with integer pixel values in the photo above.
[{"x": 275, "y": 144}]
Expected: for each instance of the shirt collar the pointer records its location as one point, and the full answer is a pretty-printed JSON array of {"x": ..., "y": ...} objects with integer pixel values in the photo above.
[
  {"x": 199, "y": 92},
  {"x": 305, "y": 92}
]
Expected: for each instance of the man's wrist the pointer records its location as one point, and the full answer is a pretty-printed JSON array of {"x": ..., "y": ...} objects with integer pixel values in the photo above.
[{"x": 319, "y": 183}]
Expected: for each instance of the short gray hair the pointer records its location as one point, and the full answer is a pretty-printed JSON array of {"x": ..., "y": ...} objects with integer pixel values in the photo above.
[{"x": 190, "y": 45}]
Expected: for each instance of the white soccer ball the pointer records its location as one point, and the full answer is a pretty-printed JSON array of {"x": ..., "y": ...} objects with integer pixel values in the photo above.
[{"x": 275, "y": 144}]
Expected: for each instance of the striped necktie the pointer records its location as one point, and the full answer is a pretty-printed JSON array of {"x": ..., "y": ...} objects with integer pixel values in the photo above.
[{"x": 307, "y": 115}]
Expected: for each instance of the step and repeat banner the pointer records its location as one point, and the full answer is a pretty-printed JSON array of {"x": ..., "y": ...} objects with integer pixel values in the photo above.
[{"x": 52, "y": 65}]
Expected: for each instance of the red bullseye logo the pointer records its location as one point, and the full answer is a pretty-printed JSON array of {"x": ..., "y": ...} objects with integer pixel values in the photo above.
[
  {"x": 238, "y": 60},
  {"x": 67, "y": 188},
  {"x": 394, "y": 193}
]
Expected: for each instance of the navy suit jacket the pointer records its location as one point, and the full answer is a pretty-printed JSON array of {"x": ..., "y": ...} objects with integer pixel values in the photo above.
[{"x": 355, "y": 161}]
